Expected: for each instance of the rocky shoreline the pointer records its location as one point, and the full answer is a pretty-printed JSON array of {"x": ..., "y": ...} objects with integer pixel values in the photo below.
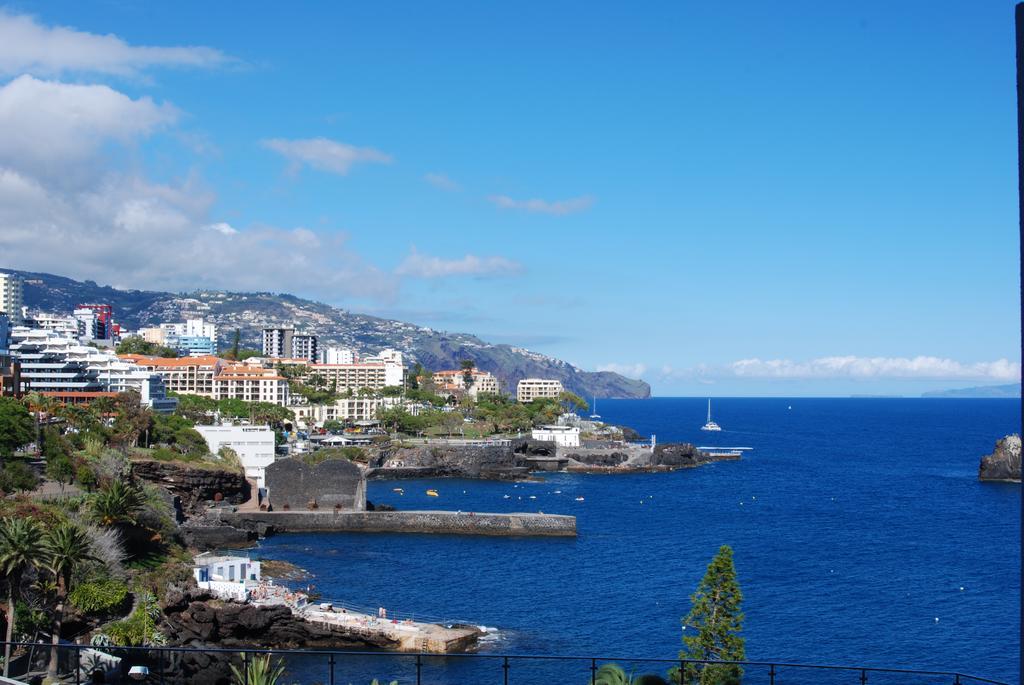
[{"x": 524, "y": 457}]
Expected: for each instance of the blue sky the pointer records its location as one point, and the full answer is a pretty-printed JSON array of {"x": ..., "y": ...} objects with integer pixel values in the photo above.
[{"x": 759, "y": 198}]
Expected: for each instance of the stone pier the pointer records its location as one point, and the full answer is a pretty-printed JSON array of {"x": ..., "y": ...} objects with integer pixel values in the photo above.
[{"x": 433, "y": 522}]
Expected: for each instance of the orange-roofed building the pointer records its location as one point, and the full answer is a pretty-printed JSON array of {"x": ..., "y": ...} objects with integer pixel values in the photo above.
[
  {"x": 252, "y": 383},
  {"x": 189, "y": 375},
  {"x": 455, "y": 382}
]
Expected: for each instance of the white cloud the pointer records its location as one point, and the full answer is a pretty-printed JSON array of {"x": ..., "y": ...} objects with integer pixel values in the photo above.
[
  {"x": 115, "y": 223},
  {"x": 48, "y": 127},
  {"x": 324, "y": 154},
  {"x": 26, "y": 46},
  {"x": 223, "y": 228},
  {"x": 857, "y": 368},
  {"x": 628, "y": 370},
  {"x": 557, "y": 207},
  {"x": 424, "y": 266},
  {"x": 442, "y": 182}
]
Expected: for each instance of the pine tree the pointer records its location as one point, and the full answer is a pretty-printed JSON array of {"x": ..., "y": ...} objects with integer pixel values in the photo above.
[{"x": 711, "y": 631}]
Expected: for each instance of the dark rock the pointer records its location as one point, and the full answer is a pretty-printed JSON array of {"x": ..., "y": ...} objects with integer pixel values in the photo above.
[
  {"x": 370, "y": 506},
  {"x": 216, "y": 536},
  {"x": 1004, "y": 462},
  {"x": 678, "y": 455},
  {"x": 193, "y": 485},
  {"x": 453, "y": 461},
  {"x": 193, "y": 620}
]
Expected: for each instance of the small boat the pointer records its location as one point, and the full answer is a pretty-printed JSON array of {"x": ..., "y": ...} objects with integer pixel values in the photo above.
[
  {"x": 507, "y": 497},
  {"x": 432, "y": 493},
  {"x": 595, "y": 416},
  {"x": 710, "y": 425},
  {"x": 400, "y": 491},
  {"x": 579, "y": 499},
  {"x": 533, "y": 496}
]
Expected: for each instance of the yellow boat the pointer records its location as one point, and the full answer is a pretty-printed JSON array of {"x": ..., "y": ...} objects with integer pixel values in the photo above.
[{"x": 432, "y": 493}]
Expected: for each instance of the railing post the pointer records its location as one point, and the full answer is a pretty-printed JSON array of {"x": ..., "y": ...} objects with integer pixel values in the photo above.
[
  {"x": 956, "y": 681},
  {"x": 771, "y": 674},
  {"x": 419, "y": 668},
  {"x": 593, "y": 672},
  {"x": 78, "y": 665},
  {"x": 863, "y": 676},
  {"x": 504, "y": 667},
  {"x": 245, "y": 668},
  {"x": 160, "y": 664},
  {"x": 330, "y": 662},
  {"x": 682, "y": 672}
]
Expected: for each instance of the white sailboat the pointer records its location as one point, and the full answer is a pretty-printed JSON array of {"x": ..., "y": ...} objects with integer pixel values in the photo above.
[
  {"x": 595, "y": 415},
  {"x": 710, "y": 425}
]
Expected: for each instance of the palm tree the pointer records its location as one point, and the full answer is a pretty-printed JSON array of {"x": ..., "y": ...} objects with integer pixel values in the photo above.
[
  {"x": 66, "y": 547},
  {"x": 116, "y": 502},
  {"x": 19, "y": 550}
]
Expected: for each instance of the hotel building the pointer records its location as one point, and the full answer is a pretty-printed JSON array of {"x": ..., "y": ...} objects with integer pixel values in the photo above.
[{"x": 530, "y": 389}]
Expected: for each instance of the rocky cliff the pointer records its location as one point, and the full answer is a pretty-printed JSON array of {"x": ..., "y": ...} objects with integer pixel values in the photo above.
[
  {"x": 250, "y": 312},
  {"x": 193, "y": 485},
  {"x": 1004, "y": 462}
]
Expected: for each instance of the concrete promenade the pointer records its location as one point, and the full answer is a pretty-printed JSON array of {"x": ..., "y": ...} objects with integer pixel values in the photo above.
[
  {"x": 407, "y": 635},
  {"x": 432, "y": 522}
]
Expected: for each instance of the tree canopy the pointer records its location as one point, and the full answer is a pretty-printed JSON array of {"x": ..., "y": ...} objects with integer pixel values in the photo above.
[
  {"x": 711, "y": 631},
  {"x": 17, "y": 427}
]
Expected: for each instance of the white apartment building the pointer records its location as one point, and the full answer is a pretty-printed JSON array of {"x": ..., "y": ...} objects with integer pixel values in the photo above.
[
  {"x": 338, "y": 355},
  {"x": 254, "y": 446},
  {"x": 60, "y": 365},
  {"x": 190, "y": 328},
  {"x": 154, "y": 334},
  {"x": 562, "y": 436},
  {"x": 190, "y": 375},
  {"x": 251, "y": 383},
  {"x": 374, "y": 375},
  {"x": 88, "y": 323},
  {"x": 455, "y": 381},
  {"x": 530, "y": 389},
  {"x": 65, "y": 326},
  {"x": 12, "y": 298},
  {"x": 304, "y": 346},
  {"x": 344, "y": 409}
]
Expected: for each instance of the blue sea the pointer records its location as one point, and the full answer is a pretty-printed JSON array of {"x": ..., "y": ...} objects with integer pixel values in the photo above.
[{"x": 860, "y": 531}]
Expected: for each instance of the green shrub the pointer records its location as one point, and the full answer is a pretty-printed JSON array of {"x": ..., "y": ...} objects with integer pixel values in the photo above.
[
  {"x": 99, "y": 596},
  {"x": 17, "y": 476}
]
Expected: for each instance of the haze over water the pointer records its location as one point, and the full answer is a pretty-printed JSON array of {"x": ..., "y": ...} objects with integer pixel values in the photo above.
[{"x": 855, "y": 524}]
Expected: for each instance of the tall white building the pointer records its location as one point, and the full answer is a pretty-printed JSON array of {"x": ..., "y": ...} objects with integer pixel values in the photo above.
[
  {"x": 338, "y": 355},
  {"x": 285, "y": 343},
  {"x": 190, "y": 328},
  {"x": 254, "y": 445},
  {"x": 304, "y": 346},
  {"x": 12, "y": 298},
  {"x": 530, "y": 389}
]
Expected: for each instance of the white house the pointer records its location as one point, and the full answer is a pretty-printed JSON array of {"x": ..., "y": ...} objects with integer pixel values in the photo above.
[
  {"x": 253, "y": 444},
  {"x": 562, "y": 436},
  {"x": 228, "y": 577}
]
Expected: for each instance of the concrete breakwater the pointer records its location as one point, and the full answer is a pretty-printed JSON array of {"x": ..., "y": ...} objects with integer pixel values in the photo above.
[{"x": 433, "y": 522}]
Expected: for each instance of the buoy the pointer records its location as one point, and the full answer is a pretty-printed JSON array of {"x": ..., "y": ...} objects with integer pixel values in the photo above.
[{"x": 936, "y": 619}]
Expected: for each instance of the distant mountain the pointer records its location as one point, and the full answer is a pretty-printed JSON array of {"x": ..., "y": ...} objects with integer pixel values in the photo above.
[
  {"x": 250, "y": 312},
  {"x": 1011, "y": 390}
]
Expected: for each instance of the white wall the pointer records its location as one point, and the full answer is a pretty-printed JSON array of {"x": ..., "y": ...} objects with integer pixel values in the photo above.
[{"x": 254, "y": 445}]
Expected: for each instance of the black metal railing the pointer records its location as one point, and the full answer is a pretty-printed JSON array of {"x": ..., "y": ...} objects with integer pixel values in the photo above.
[{"x": 82, "y": 664}]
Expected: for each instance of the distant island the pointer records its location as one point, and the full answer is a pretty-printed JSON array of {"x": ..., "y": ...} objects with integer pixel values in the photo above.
[{"x": 1010, "y": 390}]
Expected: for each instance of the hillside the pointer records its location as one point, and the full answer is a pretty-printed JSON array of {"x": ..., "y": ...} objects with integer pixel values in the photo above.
[
  {"x": 1011, "y": 390},
  {"x": 250, "y": 312}
]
